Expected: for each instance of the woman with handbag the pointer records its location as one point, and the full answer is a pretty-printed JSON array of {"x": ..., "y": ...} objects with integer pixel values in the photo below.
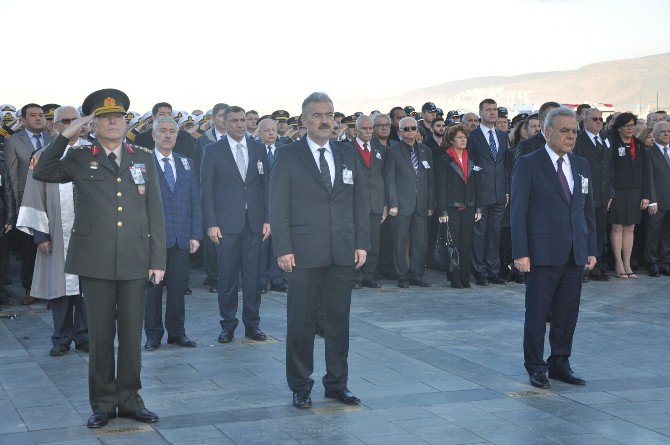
[{"x": 457, "y": 199}]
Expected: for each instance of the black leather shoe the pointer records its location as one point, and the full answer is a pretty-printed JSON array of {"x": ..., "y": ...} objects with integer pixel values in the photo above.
[
  {"x": 343, "y": 396},
  {"x": 98, "y": 420},
  {"x": 255, "y": 334},
  {"x": 281, "y": 287},
  {"x": 356, "y": 285},
  {"x": 373, "y": 284},
  {"x": 302, "y": 399},
  {"x": 319, "y": 331},
  {"x": 520, "y": 278},
  {"x": 264, "y": 289},
  {"x": 141, "y": 415},
  {"x": 188, "y": 291},
  {"x": 601, "y": 276},
  {"x": 585, "y": 278},
  {"x": 226, "y": 336},
  {"x": 419, "y": 281},
  {"x": 539, "y": 380},
  {"x": 467, "y": 285},
  {"x": 482, "y": 281},
  {"x": 82, "y": 346},
  {"x": 213, "y": 287},
  {"x": 567, "y": 376},
  {"x": 495, "y": 279},
  {"x": 59, "y": 350},
  {"x": 665, "y": 272},
  {"x": 207, "y": 281},
  {"x": 457, "y": 285},
  {"x": 152, "y": 345},
  {"x": 653, "y": 271},
  {"x": 403, "y": 283},
  {"x": 183, "y": 341}
]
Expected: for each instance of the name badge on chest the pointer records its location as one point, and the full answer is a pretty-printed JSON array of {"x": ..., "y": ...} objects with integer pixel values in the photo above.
[
  {"x": 259, "y": 164},
  {"x": 585, "y": 185},
  {"x": 185, "y": 163},
  {"x": 347, "y": 176},
  {"x": 136, "y": 173},
  {"x": 425, "y": 164},
  {"x": 379, "y": 156},
  {"x": 622, "y": 151}
]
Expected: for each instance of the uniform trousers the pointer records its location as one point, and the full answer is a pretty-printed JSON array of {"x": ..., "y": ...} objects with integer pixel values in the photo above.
[
  {"x": 414, "y": 228},
  {"x": 175, "y": 272},
  {"x": 369, "y": 270},
  {"x": 331, "y": 287},
  {"x": 657, "y": 239},
  {"x": 486, "y": 241},
  {"x": 110, "y": 305},
  {"x": 555, "y": 290},
  {"x": 69, "y": 316}
]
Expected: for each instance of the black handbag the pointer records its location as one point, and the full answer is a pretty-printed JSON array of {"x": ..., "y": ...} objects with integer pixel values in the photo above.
[{"x": 444, "y": 255}]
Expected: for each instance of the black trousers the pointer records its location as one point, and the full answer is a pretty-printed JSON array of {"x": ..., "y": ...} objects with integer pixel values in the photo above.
[
  {"x": 414, "y": 228},
  {"x": 657, "y": 240},
  {"x": 111, "y": 305},
  {"x": 385, "y": 264},
  {"x": 555, "y": 290},
  {"x": 486, "y": 241},
  {"x": 601, "y": 237},
  {"x": 174, "y": 280},
  {"x": 4, "y": 258},
  {"x": 330, "y": 286},
  {"x": 239, "y": 253},
  {"x": 210, "y": 259},
  {"x": 28, "y": 252},
  {"x": 369, "y": 269},
  {"x": 461, "y": 225},
  {"x": 270, "y": 271},
  {"x": 69, "y": 316}
]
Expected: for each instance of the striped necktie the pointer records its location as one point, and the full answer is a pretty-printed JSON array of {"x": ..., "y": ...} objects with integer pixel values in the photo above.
[{"x": 415, "y": 161}]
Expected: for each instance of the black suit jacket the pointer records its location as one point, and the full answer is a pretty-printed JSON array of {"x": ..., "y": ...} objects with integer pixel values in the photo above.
[
  {"x": 373, "y": 176},
  {"x": 628, "y": 173},
  {"x": 658, "y": 175},
  {"x": 531, "y": 144},
  {"x": 405, "y": 189},
  {"x": 451, "y": 189},
  {"x": 225, "y": 195},
  {"x": 318, "y": 227},
  {"x": 600, "y": 161},
  {"x": 495, "y": 173}
]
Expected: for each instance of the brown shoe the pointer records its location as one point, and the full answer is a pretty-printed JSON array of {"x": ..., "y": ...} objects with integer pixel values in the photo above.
[{"x": 28, "y": 300}]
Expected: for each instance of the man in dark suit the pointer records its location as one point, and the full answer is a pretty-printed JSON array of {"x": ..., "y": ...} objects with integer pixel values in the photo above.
[
  {"x": 18, "y": 151},
  {"x": 488, "y": 147},
  {"x": 180, "y": 195},
  {"x": 592, "y": 146},
  {"x": 235, "y": 208},
  {"x": 185, "y": 144},
  {"x": 370, "y": 155},
  {"x": 658, "y": 189},
  {"x": 117, "y": 242},
  {"x": 320, "y": 220},
  {"x": 410, "y": 197},
  {"x": 553, "y": 242},
  {"x": 538, "y": 141}
]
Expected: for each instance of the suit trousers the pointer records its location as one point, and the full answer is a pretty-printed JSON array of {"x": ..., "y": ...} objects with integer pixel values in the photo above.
[
  {"x": 210, "y": 259},
  {"x": 657, "y": 239},
  {"x": 28, "y": 252},
  {"x": 111, "y": 304},
  {"x": 369, "y": 269},
  {"x": 239, "y": 253},
  {"x": 4, "y": 258},
  {"x": 414, "y": 228},
  {"x": 555, "y": 290},
  {"x": 486, "y": 241},
  {"x": 385, "y": 264},
  {"x": 601, "y": 236},
  {"x": 174, "y": 280},
  {"x": 461, "y": 225},
  {"x": 331, "y": 287},
  {"x": 269, "y": 268},
  {"x": 69, "y": 316}
]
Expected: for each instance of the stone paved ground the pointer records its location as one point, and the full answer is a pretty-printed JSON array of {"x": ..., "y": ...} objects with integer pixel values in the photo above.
[{"x": 431, "y": 366}]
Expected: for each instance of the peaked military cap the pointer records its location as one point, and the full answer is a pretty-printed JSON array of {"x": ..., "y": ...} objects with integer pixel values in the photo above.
[
  {"x": 106, "y": 101},
  {"x": 50, "y": 110},
  {"x": 280, "y": 115}
]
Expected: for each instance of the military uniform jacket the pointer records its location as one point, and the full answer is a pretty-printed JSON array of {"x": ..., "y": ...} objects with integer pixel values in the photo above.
[{"x": 118, "y": 231}]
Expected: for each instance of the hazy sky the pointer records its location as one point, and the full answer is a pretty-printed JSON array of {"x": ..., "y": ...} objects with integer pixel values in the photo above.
[{"x": 269, "y": 54}]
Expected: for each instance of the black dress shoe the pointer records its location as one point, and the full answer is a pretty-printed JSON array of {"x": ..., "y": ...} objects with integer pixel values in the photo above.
[
  {"x": 495, "y": 279},
  {"x": 457, "y": 285},
  {"x": 653, "y": 271},
  {"x": 302, "y": 399},
  {"x": 666, "y": 271},
  {"x": 255, "y": 334},
  {"x": 83, "y": 346},
  {"x": 226, "y": 336},
  {"x": 98, "y": 420},
  {"x": 482, "y": 281},
  {"x": 343, "y": 396},
  {"x": 182, "y": 340},
  {"x": 356, "y": 285},
  {"x": 264, "y": 289},
  {"x": 214, "y": 287},
  {"x": 188, "y": 291},
  {"x": 59, "y": 350},
  {"x": 281, "y": 287},
  {"x": 403, "y": 283},
  {"x": 539, "y": 380},
  {"x": 567, "y": 376},
  {"x": 419, "y": 281},
  {"x": 319, "y": 331},
  {"x": 373, "y": 284},
  {"x": 140, "y": 415},
  {"x": 152, "y": 345},
  {"x": 207, "y": 281},
  {"x": 467, "y": 285},
  {"x": 585, "y": 278}
]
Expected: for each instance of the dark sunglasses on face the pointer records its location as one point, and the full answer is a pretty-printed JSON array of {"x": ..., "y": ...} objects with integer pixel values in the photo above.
[
  {"x": 66, "y": 121},
  {"x": 597, "y": 119},
  {"x": 412, "y": 128}
]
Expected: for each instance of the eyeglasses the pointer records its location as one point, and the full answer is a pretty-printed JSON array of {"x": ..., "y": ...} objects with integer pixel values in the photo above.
[
  {"x": 66, "y": 121},
  {"x": 597, "y": 119},
  {"x": 383, "y": 126},
  {"x": 365, "y": 128},
  {"x": 412, "y": 128},
  {"x": 627, "y": 127}
]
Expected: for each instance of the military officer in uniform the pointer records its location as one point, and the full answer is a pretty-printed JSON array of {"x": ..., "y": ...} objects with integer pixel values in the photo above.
[{"x": 117, "y": 243}]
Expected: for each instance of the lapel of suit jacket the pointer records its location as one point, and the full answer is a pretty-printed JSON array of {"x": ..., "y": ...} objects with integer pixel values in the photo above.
[
  {"x": 549, "y": 169},
  {"x": 228, "y": 154},
  {"x": 162, "y": 182},
  {"x": 338, "y": 158},
  {"x": 576, "y": 177},
  {"x": 252, "y": 168},
  {"x": 308, "y": 159},
  {"x": 404, "y": 149},
  {"x": 455, "y": 166},
  {"x": 657, "y": 152},
  {"x": 26, "y": 141},
  {"x": 180, "y": 171},
  {"x": 502, "y": 137}
]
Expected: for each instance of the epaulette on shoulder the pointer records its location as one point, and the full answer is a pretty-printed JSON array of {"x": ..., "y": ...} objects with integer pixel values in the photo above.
[
  {"x": 140, "y": 148},
  {"x": 81, "y": 147}
]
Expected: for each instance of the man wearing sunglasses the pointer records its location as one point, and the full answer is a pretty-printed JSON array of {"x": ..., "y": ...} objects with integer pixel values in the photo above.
[
  {"x": 410, "y": 192},
  {"x": 593, "y": 146}
]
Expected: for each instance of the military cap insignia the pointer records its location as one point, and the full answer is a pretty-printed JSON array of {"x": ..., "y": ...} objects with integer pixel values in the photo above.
[{"x": 109, "y": 102}]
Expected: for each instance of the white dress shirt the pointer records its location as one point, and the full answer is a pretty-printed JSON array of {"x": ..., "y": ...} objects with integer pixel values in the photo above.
[
  {"x": 567, "y": 169},
  {"x": 33, "y": 141},
  {"x": 328, "y": 154},
  {"x": 485, "y": 130},
  {"x": 362, "y": 144},
  {"x": 233, "y": 147},
  {"x": 217, "y": 135},
  {"x": 161, "y": 162}
]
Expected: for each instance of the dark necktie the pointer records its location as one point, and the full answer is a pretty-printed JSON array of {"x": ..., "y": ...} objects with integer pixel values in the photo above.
[
  {"x": 112, "y": 159},
  {"x": 597, "y": 142},
  {"x": 365, "y": 147},
  {"x": 169, "y": 174},
  {"x": 38, "y": 141},
  {"x": 563, "y": 180},
  {"x": 667, "y": 155},
  {"x": 415, "y": 161},
  {"x": 325, "y": 170},
  {"x": 271, "y": 157},
  {"x": 492, "y": 145}
]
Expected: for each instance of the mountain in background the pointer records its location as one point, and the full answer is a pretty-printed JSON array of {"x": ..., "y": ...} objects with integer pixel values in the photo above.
[{"x": 630, "y": 84}]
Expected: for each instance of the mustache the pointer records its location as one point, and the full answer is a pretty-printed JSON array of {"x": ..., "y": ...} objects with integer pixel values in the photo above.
[{"x": 324, "y": 126}]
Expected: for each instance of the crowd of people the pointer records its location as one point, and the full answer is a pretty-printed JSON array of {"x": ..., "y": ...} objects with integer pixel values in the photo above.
[{"x": 212, "y": 189}]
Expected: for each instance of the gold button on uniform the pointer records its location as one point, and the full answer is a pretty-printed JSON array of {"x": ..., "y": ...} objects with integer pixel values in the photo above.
[
  {"x": 120, "y": 209},
  {"x": 119, "y": 194},
  {"x": 118, "y": 179},
  {"x": 119, "y": 224}
]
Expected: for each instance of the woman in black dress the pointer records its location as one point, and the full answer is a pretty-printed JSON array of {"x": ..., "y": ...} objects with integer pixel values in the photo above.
[
  {"x": 625, "y": 212},
  {"x": 457, "y": 198}
]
